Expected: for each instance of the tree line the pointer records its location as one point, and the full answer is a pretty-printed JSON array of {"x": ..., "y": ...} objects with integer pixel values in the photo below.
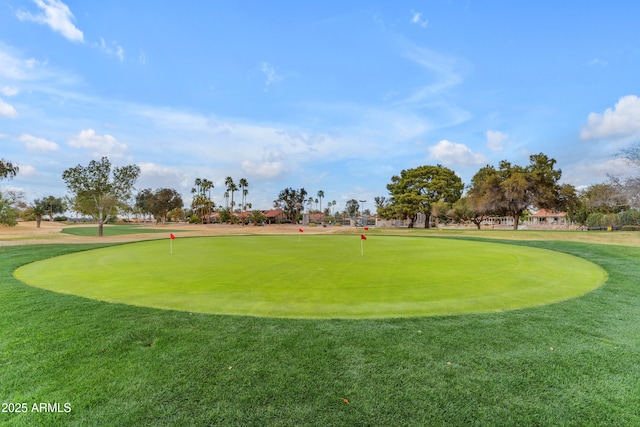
[
  {"x": 433, "y": 191},
  {"x": 508, "y": 191}
]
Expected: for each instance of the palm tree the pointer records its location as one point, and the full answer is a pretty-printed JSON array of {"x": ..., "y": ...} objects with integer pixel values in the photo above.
[
  {"x": 232, "y": 188},
  {"x": 243, "y": 187},
  {"x": 320, "y": 196},
  {"x": 207, "y": 186},
  {"x": 39, "y": 210}
]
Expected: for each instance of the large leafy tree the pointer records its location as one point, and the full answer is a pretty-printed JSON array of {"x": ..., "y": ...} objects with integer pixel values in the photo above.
[
  {"x": 8, "y": 214},
  {"x": 99, "y": 190},
  {"x": 158, "y": 203},
  {"x": 461, "y": 212},
  {"x": 49, "y": 205},
  {"x": 144, "y": 202},
  {"x": 351, "y": 208},
  {"x": 291, "y": 201},
  {"x": 416, "y": 191},
  {"x": 8, "y": 169},
  {"x": 164, "y": 201},
  {"x": 512, "y": 189}
]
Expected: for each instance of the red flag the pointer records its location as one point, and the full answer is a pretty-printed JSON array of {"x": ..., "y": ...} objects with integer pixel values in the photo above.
[
  {"x": 366, "y": 229},
  {"x": 363, "y": 237},
  {"x": 300, "y": 230},
  {"x": 171, "y": 236}
]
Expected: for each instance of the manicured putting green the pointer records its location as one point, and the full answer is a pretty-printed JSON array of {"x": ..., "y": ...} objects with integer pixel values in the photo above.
[{"x": 319, "y": 276}]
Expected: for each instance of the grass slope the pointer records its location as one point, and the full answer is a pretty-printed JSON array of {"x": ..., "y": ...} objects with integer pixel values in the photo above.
[
  {"x": 571, "y": 363},
  {"x": 320, "y": 276},
  {"x": 115, "y": 230}
]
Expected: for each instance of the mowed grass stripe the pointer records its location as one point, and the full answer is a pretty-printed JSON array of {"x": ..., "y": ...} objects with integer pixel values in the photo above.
[
  {"x": 572, "y": 363},
  {"x": 320, "y": 276}
]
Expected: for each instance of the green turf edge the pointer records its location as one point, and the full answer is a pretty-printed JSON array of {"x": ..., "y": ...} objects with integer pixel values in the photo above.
[
  {"x": 572, "y": 363},
  {"x": 118, "y": 230},
  {"x": 245, "y": 302}
]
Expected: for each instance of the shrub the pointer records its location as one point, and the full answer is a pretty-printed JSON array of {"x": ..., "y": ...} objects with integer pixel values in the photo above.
[
  {"x": 631, "y": 228},
  {"x": 594, "y": 220},
  {"x": 630, "y": 217}
]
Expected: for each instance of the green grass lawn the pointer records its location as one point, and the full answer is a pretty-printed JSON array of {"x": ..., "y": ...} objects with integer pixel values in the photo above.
[
  {"x": 116, "y": 230},
  {"x": 571, "y": 363},
  {"x": 320, "y": 276}
]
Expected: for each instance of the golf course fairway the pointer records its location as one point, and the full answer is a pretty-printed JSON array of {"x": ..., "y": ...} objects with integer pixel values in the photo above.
[{"x": 319, "y": 276}]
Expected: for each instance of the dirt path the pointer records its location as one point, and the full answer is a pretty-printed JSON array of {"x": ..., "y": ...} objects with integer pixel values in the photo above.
[{"x": 26, "y": 233}]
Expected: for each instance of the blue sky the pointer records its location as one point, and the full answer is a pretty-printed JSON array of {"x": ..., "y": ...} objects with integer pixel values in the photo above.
[{"x": 334, "y": 96}]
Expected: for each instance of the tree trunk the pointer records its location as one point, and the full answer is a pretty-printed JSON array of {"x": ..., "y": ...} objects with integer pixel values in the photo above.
[
  {"x": 38, "y": 221},
  {"x": 516, "y": 219},
  {"x": 100, "y": 222}
]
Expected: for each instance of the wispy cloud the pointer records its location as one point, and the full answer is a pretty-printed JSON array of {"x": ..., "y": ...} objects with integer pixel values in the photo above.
[
  {"x": 35, "y": 144},
  {"x": 444, "y": 69},
  {"x": 270, "y": 73},
  {"x": 496, "y": 140},
  {"x": 57, "y": 16},
  {"x": 9, "y": 90},
  {"x": 14, "y": 67},
  {"x": 597, "y": 62},
  {"x": 416, "y": 18},
  {"x": 7, "y": 110},
  {"x": 111, "y": 49},
  {"x": 620, "y": 122}
]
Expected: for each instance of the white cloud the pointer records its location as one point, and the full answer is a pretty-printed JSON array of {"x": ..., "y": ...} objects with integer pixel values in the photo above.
[
  {"x": 598, "y": 62},
  {"x": 455, "y": 154},
  {"x": 111, "y": 49},
  {"x": 496, "y": 140},
  {"x": 7, "y": 110},
  {"x": 266, "y": 169},
  {"x": 27, "y": 170},
  {"x": 590, "y": 171},
  {"x": 620, "y": 122},
  {"x": 416, "y": 18},
  {"x": 56, "y": 15},
  {"x": 13, "y": 67},
  {"x": 156, "y": 176},
  {"x": 445, "y": 75},
  {"x": 99, "y": 144},
  {"x": 35, "y": 144},
  {"x": 9, "y": 90},
  {"x": 270, "y": 73}
]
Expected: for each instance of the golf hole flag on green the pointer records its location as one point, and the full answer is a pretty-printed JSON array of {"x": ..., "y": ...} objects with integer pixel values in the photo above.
[
  {"x": 171, "y": 238},
  {"x": 400, "y": 276}
]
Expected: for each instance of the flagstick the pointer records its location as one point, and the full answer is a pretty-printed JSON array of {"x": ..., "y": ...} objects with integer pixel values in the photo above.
[
  {"x": 361, "y": 247},
  {"x": 170, "y": 246}
]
